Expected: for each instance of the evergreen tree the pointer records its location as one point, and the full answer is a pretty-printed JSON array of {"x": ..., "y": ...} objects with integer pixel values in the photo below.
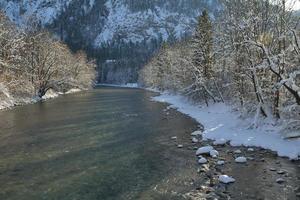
[
  {"x": 202, "y": 60},
  {"x": 202, "y": 44}
]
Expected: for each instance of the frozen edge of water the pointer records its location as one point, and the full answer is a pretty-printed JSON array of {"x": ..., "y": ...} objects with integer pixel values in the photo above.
[
  {"x": 221, "y": 123},
  {"x": 4, "y": 105}
]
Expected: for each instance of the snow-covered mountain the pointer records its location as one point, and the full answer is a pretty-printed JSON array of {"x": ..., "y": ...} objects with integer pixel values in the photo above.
[
  {"x": 153, "y": 22},
  {"x": 21, "y": 12},
  {"x": 121, "y": 34}
]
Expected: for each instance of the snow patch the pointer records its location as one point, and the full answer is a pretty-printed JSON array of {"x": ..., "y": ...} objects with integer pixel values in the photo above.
[
  {"x": 74, "y": 90},
  {"x": 220, "y": 122},
  {"x": 44, "y": 11},
  {"x": 50, "y": 94},
  {"x": 127, "y": 85},
  {"x": 220, "y": 141},
  {"x": 196, "y": 133},
  {"x": 133, "y": 26}
]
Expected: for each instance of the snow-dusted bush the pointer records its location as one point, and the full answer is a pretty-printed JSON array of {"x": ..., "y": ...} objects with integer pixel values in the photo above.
[{"x": 32, "y": 62}]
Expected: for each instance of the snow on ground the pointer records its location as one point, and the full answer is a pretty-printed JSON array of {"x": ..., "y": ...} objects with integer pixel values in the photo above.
[
  {"x": 5, "y": 98},
  {"x": 127, "y": 85},
  {"x": 221, "y": 123},
  {"x": 50, "y": 94},
  {"x": 9, "y": 101},
  {"x": 74, "y": 90},
  {"x": 196, "y": 133},
  {"x": 220, "y": 141}
]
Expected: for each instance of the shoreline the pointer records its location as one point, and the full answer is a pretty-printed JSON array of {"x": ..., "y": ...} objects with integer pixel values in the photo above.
[
  {"x": 221, "y": 123},
  {"x": 218, "y": 120},
  {"x": 33, "y": 100}
]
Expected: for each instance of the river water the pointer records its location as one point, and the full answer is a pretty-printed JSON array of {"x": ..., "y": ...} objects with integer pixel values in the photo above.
[
  {"x": 108, "y": 143},
  {"x": 115, "y": 144}
]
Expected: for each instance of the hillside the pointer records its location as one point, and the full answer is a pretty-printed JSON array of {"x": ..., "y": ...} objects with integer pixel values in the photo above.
[{"x": 121, "y": 34}]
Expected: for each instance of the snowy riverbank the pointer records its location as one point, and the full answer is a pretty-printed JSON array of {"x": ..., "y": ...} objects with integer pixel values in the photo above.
[
  {"x": 221, "y": 123},
  {"x": 128, "y": 85},
  {"x": 9, "y": 101}
]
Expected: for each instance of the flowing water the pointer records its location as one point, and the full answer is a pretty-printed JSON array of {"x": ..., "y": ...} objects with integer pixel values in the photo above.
[
  {"x": 108, "y": 143},
  {"x": 115, "y": 144}
]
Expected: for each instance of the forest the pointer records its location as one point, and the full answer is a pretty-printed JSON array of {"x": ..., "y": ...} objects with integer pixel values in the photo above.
[
  {"x": 33, "y": 62},
  {"x": 248, "y": 57}
]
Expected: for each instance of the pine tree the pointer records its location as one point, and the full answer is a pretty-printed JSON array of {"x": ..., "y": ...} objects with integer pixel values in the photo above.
[
  {"x": 202, "y": 58},
  {"x": 202, "y": 44}
]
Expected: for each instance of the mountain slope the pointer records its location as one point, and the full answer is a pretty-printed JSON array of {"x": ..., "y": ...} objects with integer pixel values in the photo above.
[{"x": 120, "y": 34}]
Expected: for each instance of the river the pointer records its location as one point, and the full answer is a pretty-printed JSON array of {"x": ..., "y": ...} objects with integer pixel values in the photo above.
[
  {"x": 108, "y": 143},
  {"x": 115, "y": 144}
]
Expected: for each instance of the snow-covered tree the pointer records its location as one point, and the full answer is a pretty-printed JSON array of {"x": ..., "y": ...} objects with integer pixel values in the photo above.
[
  {"x": 32, "y": 62},
  {"x": 249, "y": 57}
]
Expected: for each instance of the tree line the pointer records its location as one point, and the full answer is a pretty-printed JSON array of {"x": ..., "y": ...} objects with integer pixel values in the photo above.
[
  {"x": 32, "y": 62},
  {"x": 249, "y": 57}
]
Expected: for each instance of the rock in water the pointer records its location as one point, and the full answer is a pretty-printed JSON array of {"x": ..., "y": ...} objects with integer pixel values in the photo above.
[
  {"x": 250, "y": 158},
  {"x": 226, "y": 179},
  {"x": 280, "y": 172},
  {"x": 280, "y": 181},
  {"x": 202, "y": 160},
  {"x": 237, "y": 151},
  {"x": 195, "y": 140},
  {"x": 241, "y": 159},
  {"x": 204, "y": 150},
  {"x": 214, "y": 153},
  {"x": 221, "y": 162}
]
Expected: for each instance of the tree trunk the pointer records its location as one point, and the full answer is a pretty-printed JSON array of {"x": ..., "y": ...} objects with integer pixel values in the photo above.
[
  {"x": 220, "y": 94},
  {"x": 276, "y": 104},
  {"x": 258, "y": 95}
]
